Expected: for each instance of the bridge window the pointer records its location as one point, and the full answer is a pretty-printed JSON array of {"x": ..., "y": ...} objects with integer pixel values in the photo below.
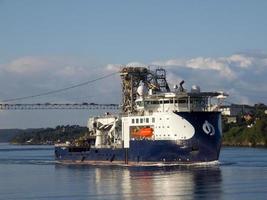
[
  {"x": 147, "y": 120},
  {"x": 132, "y": 121},
  {"x": 140, "y": 103},
  {"x": 182, "y": 101},
  {"x": 148, "y": 102},
  {"x": 153, "y": 119},
  {"x": 141, "y": 120},
  {"x": 137, "y": 120}
]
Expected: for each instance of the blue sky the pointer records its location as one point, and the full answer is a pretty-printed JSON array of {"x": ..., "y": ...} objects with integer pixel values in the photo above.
[
  {"x": 122, "y": 31},
  {"x": 52, "y": 44}
]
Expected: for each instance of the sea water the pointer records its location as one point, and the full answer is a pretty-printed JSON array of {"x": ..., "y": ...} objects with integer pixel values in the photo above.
[{"x": 30, "y": 172}]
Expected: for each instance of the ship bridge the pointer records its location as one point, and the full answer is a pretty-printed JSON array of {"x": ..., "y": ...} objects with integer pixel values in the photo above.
[{"x": 177, "y": 101}]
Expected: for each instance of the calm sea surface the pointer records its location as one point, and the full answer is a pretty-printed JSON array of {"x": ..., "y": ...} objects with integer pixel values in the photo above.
[{"x": 29, "y": 172}]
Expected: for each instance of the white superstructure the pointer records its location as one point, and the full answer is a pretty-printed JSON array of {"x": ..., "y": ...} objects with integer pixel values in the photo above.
[{"x": 154, "y": 119}]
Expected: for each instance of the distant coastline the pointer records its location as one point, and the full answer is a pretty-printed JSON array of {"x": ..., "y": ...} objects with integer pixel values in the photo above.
[
  {"x": 234, "y": 135},
  {"x": 250, "y": 133},
  {"x": 246, "y": 136},
  {"x": 248, "y": 130},
  {"x": 42, "y": 136}
]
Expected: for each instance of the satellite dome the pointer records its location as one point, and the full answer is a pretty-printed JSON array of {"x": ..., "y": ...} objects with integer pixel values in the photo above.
[
  {"x": 195, "y": 89},
  {"x": 142, "y": 90}
]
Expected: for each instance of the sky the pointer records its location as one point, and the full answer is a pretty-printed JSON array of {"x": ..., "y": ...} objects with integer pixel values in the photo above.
[{"x": 48, "y": 45}]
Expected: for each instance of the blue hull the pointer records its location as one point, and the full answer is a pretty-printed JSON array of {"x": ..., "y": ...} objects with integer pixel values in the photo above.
[{"x": 202, "y": 147}]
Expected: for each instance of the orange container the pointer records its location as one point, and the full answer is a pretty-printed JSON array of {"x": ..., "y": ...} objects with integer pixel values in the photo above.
[{"x": 144, "y": 132}]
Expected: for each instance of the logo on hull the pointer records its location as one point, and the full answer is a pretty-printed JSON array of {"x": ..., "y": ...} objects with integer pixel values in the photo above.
[{"x": 208, "y": 128}]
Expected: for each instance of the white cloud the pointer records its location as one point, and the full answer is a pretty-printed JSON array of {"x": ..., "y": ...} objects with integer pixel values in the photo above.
[
  {"x": 242, "y": 75},
  {"x": 240, "y": 60},
  {"x": 201, "y": 63},
  {"x": 238, "y": 72},
  {"x": 136, "y": 64},
  {"x": 45, "y": 68},
  {"x": 228, "y": 67},
  {"x": 211, "y": 64},
  {"x": 32, "y": 75},
  {"x": 69, "y": 71},
  {"x": 171, "y": 62},
  {"x": 118, "y": 67},
  {"x": 27, "y": 65},
  {"x": 173, "y": 79},
  {"x": 113, "y": 67}
]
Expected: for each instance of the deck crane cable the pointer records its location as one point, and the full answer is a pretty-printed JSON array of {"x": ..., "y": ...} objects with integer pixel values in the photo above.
[{"x": 60, "y": 90}]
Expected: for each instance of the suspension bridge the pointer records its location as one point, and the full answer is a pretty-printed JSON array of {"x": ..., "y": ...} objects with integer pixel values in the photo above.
[
  {"x": 8, "y": 104},
  {"x": 41, "y": 106}
]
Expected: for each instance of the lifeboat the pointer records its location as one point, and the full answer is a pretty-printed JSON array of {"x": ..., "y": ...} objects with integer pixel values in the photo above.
[{"x": 144, "y": 132}]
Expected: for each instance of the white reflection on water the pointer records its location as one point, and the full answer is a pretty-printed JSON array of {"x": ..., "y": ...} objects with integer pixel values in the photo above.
[
  {"x": 29, "y": 172},
  {"x": 178, "y": 182}
]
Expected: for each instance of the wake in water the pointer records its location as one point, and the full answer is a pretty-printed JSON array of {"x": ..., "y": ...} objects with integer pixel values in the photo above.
[{"x": 143, "y": 165}]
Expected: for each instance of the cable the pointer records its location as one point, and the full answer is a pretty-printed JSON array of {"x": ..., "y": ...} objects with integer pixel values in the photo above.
[{"x": 59, "y": 90}]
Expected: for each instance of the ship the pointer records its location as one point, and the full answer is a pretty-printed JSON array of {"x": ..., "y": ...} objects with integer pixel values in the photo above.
[{"x": 156, "y": 125}]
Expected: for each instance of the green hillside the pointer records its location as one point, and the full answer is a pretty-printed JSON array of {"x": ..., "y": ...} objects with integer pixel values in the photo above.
[
  {"x": 246, "y": 132},
  {"x": 49, "y": 135},
  {"x": 252, "y": 132},
  {"x": 7, "y": 134}
]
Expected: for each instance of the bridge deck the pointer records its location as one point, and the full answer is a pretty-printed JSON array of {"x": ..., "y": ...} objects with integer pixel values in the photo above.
[{"x": 37, "y": 106}]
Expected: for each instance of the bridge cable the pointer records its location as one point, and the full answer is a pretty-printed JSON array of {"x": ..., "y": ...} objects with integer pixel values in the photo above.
[{"x": 60, "y": 90}]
